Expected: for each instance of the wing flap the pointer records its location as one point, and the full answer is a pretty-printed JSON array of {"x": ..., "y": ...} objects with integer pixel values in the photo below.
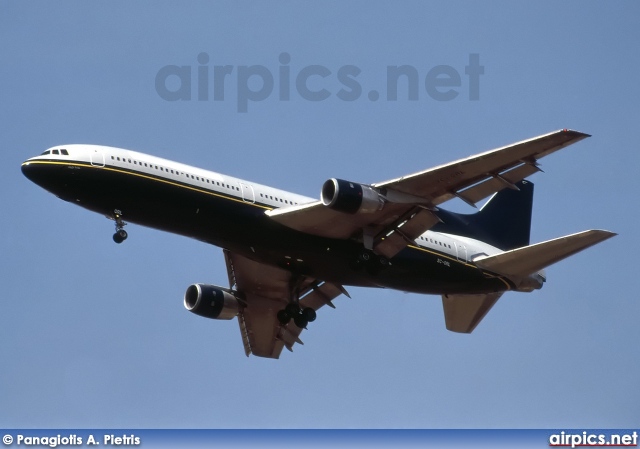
[
  {"x": 440, "y": 183},
  {"x": 533, "y": 258},
  {"x": 244, "y": 333},
  {"x": 494, "y": 184},
  {"x": 321, "y": 296},
  {"x": 289, "y": 337},
  {"x": 462, "y": 313},
  {"x": 406, "y": 232}
]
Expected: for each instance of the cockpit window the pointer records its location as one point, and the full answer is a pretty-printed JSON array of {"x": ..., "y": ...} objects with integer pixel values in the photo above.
[{"x": 56, "y": 151}]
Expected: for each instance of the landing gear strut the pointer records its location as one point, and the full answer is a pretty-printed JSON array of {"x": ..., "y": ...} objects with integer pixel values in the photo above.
[
  {"x": 301, "y": 316},
  {"x": 120, "y": 235}
]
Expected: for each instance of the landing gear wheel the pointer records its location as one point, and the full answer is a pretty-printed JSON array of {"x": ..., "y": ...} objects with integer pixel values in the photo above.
[
  {"x": 120, "y": 236},
  {"x": 292, "y": 309},
  {"x": 300, "y": 321},
  {"x": 283, "y": 317},
  {"x": 301, "y": 317},
  {"x": 309, "y": 314}
]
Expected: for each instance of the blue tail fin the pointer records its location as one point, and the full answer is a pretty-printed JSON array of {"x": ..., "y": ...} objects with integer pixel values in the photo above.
[{"x": 504, "y": 221}]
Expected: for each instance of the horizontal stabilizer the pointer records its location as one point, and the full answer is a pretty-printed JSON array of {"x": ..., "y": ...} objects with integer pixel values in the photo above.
[
  {"x": 530, "y": 259},
  {"x": 462, "y": 313}
]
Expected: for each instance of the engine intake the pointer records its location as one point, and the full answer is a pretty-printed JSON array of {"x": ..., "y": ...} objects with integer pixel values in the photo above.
[
  {"x": 350, "y": 197},
  {"x": 211, "y": 301}
]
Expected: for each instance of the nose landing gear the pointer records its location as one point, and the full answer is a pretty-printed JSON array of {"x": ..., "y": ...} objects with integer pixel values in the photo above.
[{"x": 120, "y": 235}]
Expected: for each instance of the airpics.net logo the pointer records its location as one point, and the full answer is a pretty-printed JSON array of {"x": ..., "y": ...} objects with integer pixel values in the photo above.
[{"x": 208, "y": 80}]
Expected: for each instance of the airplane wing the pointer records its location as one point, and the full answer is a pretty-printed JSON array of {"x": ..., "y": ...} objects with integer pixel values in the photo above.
[
  {"x": 265, "y": 290},
  {"x": 409, "y": 202}
]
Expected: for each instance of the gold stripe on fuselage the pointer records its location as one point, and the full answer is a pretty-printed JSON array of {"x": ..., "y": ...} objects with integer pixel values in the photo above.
[{"x": 153, "y": 178}]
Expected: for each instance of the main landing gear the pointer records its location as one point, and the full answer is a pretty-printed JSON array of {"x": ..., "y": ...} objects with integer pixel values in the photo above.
[
  {"x": 301, "y": 316},
  {"x": 120, "y": 235}
]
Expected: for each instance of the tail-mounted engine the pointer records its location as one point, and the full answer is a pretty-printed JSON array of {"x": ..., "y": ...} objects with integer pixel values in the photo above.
[
  {"x": 350, "y": 197},
  {"x": 211, "y": 301}
]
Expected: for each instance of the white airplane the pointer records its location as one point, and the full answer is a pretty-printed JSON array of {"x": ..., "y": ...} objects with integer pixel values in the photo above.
[{"x": 288, "y": 255}]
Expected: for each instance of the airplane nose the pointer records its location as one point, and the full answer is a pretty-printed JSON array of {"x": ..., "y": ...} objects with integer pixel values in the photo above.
[
  {"x": 27, "y": 169},
  {"x": 51, "y": 176},
  {"x": 36, "y": 173}
]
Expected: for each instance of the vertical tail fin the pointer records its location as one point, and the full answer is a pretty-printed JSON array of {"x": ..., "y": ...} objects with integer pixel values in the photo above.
[{"x": 504, "y": 221}]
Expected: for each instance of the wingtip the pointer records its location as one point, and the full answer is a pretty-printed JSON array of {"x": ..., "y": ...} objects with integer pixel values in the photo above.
[
  {"x": 574, "y": 132},
  {"x": 606, "y": 234}
]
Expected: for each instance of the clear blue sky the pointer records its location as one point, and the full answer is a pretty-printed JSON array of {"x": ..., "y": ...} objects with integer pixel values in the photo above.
[{"x": 94, "y": 334}]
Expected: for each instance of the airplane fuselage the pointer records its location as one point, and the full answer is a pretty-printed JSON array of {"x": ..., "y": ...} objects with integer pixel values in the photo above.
[{"x": 230, "y": 213}]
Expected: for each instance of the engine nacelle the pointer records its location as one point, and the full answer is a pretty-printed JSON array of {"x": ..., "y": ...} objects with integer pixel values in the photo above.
[
  {"x": 210, "y": 301},
  {"x": 350, "y": 197}
]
